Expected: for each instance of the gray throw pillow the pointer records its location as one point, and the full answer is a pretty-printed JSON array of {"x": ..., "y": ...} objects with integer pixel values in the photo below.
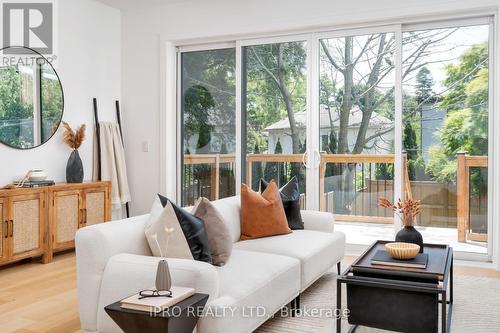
[{"x": 219, "y": 238}]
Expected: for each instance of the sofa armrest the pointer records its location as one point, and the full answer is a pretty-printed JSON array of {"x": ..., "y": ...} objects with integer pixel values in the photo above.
[
  {"x": 126, "y": 274},
  {"x": 95, "y": 245},
  {"x": 318, "y": 221}
]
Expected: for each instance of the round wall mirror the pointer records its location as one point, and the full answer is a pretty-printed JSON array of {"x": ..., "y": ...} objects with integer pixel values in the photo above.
[{"x": 31, "y": 98}]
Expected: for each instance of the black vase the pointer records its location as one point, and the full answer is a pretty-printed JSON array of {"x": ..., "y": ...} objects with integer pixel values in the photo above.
[
  {"x": 410, "y": 235},
  {"x": 74, "y": 168}
]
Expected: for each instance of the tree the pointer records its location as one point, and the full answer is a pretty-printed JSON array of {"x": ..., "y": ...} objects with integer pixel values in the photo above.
[
  {"x": 276, "y": 88},
  {"x": 198, "y": 106},
  {"x": 414, "y": 158},
  {"x": 15, "y": 108},
  {"x": 211, "y": 74},
  {"x": 466, "y": 124},
  {"x": 425, "y": 82},
  {"x": 276, "y": 83}
]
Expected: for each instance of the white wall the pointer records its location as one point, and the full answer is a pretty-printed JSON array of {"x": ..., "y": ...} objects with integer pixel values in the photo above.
[
  {"x": 89, "y": 65},
  {"x": 146, "y": 29}
]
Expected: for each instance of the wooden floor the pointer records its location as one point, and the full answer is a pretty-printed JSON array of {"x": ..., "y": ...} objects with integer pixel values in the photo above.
[{"x": 43, "y": 298}]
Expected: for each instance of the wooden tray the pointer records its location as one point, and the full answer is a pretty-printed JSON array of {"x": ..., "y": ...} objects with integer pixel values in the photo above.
[{"x": 435, "y": 270}]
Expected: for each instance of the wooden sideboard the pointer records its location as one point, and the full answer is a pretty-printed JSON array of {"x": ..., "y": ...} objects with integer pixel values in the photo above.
[{"x": 40, "y": 221}]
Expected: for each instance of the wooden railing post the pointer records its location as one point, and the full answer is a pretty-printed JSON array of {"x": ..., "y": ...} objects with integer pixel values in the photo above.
[
  {"x": 249, "y": 171},
  {"x": 214, "y": 179},
  {"x": 406, "y": 177},
  {"x": 462, "y": 195}
]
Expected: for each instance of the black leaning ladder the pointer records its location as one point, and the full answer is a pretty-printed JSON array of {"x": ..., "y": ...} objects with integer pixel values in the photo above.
[{"x": 98, "y": 133}]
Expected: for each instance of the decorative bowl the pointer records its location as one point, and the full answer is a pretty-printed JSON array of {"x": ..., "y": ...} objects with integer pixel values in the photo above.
[
  {"x": 402, "y": 251},
  {"x": 37, "y": 175}
]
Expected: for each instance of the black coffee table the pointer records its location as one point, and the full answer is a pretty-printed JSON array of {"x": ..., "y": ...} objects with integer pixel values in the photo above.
[
  {"x": 180, "y": 318},
  {"x": 396, "y": 298}
]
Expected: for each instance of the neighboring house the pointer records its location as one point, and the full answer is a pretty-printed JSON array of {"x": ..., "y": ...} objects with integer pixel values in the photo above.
[
  {"x": 382, "y": 144},
  {"x": 432, "y": 120}
]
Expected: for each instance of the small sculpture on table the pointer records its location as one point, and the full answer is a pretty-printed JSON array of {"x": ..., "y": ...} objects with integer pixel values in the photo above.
[{"x": 163, "y": 281}]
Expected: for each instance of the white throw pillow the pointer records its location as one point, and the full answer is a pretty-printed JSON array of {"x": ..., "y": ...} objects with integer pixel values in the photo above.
[{"x": 163, "y": 243}]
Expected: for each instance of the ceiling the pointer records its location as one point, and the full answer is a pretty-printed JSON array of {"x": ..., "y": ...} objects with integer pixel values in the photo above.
[{"x": 131, "y": 4}]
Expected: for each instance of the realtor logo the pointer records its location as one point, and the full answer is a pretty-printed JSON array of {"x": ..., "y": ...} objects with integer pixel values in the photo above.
[{"x": 28, "y": 24}]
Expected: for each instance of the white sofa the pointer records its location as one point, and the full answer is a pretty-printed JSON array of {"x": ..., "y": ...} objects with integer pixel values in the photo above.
[{"x": 114, "y": 261}]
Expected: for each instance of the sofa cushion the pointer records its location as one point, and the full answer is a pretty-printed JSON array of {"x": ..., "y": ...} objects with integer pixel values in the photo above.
[
  {"x": 262, "y": 215},
  {"x": 219, "y": 238},
  {"x": 194, "y": 230},
  {"x": 229, "y": 208},
  {"x": 164, "y": 234},
  {"x": 251, "y": 281},
  {"x": 290, "y": 196},
  {"x": 317, "y": 251}
]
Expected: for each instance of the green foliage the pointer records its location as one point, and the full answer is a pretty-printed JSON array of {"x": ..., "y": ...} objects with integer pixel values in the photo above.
[
  {"x": 459, "y": 76},
  {"x": 51, "y": 101},
  {"x": 268, "y": 66},
  {"x": 209, "y": 97},
  {"x": 14, "y": 109},
  {"x": 466, "y": 124},
  {"x": 415, "y": 161},
  {"x": 198, "y": 105}
]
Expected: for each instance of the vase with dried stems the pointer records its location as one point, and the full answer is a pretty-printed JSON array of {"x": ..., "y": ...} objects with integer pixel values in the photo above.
[
  {"x": 74, "y": 139},
  {"x": 163, "y": 281},
  {"x": 407, "y": 210}
]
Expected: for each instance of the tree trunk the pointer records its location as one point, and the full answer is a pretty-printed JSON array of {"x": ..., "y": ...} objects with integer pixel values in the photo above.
[
  {"x": 288, "y": 104},
  {"x": 345, "y": 111},
  {"x": 369, "y": 99}
]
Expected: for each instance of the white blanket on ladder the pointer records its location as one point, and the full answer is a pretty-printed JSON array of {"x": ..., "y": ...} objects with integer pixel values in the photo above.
[{"x": 113, "y": 165}]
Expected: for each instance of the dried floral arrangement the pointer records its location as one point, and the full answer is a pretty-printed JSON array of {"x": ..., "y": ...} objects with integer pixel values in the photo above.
[
  {"x": 407, "y": 209},
  {"x": 72, "y": 138}
]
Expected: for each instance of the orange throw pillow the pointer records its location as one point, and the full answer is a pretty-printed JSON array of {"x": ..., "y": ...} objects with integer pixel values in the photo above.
[{"x": 262, "y": 215}]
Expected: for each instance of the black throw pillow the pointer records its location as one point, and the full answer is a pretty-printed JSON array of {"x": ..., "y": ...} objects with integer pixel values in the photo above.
[
  {"x": 194, "y": 230},
  {"x": 290, "y": 197}
]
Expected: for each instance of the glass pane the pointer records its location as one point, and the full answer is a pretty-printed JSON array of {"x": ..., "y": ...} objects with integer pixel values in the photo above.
[
  {"x": 51, "y": 101},
  {"x": 445, "y": 114},
  {"x": 208, "y": 111},
  {"x": 357, "y": 133},
  {"x": 274, "y": 102},
  {"x": 16, "y": 106}
]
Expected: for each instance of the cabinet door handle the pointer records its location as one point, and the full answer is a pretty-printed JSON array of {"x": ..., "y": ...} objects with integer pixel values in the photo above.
[
  {"x": 6, "y": 229},
  {"x": 11, "y": 228},
  {"x": 80, "y": 217},
  {"x": 85, "y": 216}
]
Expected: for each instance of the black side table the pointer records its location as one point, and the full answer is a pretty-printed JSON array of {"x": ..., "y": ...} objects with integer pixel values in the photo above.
[
  {"x": 396, "y": 298},
  {"x": 181, "y": 318}
]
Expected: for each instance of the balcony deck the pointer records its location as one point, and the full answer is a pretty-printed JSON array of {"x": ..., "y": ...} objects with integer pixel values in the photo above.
[{"x": 367, "y": 233}]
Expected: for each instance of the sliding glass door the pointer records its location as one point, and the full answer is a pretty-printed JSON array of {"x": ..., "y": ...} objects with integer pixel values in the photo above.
[
  {"x": 274, "y": 91},
  {"x": 208, "y": 135},
  {"x": 399, "y": 111},
  {"x": 356, "y": 116},
  {"x": 445, "y": 121}
]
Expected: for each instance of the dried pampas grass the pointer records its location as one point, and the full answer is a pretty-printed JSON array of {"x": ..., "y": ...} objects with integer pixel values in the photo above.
[
  {"x": 407, "y": 209},
  {"x": 73, "y": 139}
]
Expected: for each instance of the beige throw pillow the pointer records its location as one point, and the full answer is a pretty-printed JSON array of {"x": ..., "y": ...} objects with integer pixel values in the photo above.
[
  {"x": 164, "y": 233},
  {"x": 219, "y": 238}
]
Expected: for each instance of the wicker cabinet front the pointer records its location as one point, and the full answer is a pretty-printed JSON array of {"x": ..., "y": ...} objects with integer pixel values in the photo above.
[{"x": 37, "y": 222}]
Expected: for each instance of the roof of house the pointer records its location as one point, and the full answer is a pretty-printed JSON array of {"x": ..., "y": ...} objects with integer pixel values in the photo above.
[{"x": 377, "y": 120}]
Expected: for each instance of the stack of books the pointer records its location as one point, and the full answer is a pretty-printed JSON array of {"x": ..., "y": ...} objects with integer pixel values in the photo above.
[
  {"x": 383, "y": 258},
  {"x": 157, "y": 304},
  {"x": 32, "y": 184}
]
